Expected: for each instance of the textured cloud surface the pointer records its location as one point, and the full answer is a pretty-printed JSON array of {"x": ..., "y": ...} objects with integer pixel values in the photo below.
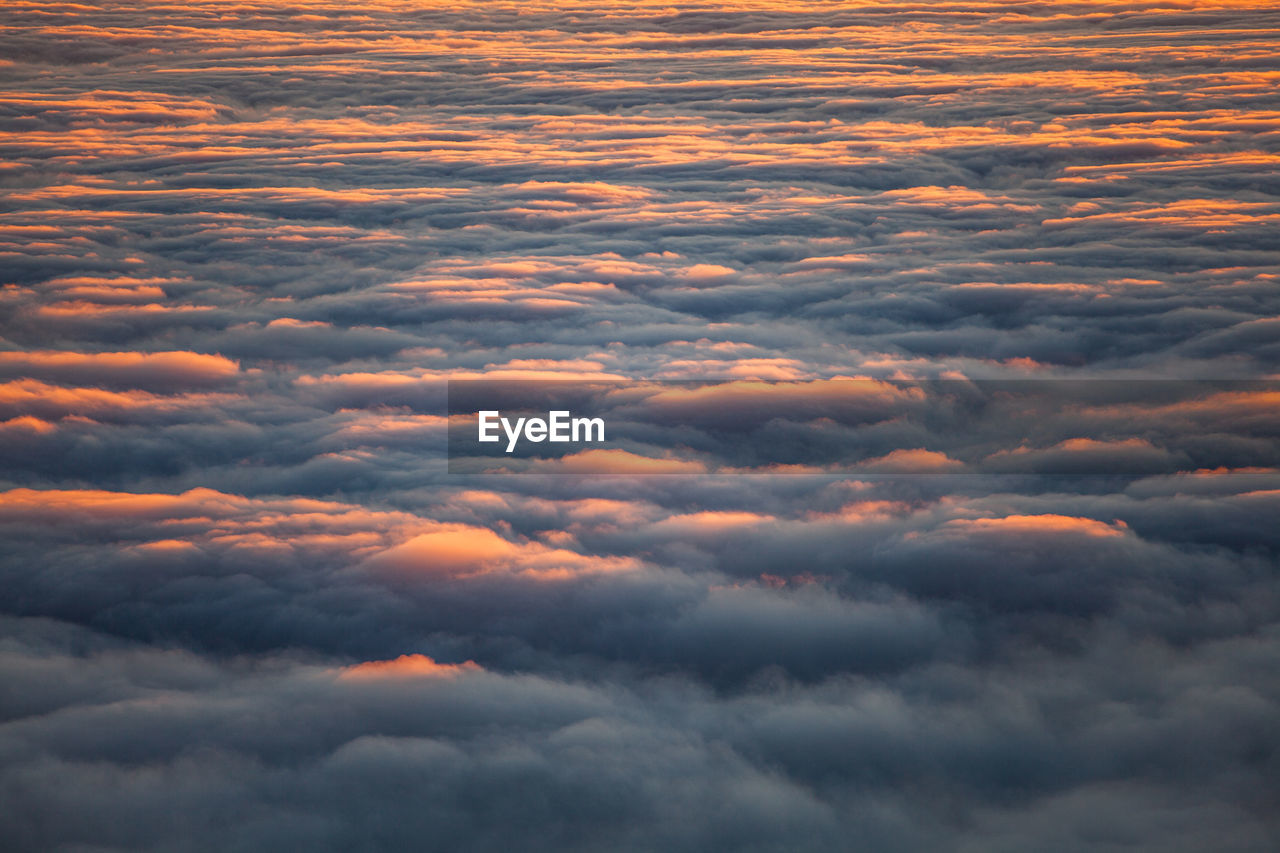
[{"x": 246, "y": 606}]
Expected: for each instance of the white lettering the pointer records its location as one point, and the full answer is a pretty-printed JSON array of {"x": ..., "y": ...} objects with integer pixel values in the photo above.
[
  {"x": 587, "y": 424},
  {"x": 559, "y": 421},
  {"x": 513, "y": 435},
  {"x": 559, "y": 426},
  {"x": 486, "y": 423}
]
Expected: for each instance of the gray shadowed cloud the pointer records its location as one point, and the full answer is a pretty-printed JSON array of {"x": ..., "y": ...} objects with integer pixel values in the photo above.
[{"x": 246, "y": 605}]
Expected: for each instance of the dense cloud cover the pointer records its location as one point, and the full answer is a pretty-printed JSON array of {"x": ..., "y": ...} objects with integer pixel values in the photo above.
[{"x": 246, "y": 605}]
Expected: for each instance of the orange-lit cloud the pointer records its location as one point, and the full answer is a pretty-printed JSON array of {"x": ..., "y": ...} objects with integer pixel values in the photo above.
[
  {"x": 406, "y": 667},
  {"x": 455, "y": 550},
  {"x": 190, "y": 367},
  {"x": 620, "y": 462},
  {"x": 1048, "y": 524}
]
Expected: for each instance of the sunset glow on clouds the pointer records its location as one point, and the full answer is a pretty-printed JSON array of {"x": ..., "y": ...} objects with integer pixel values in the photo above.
[{"x": 246, "y": 605}]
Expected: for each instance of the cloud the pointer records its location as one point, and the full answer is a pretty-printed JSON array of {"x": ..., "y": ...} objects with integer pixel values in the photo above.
[
  {"x": 128, "y": 369},
  {"x": 949, "y": 327}
]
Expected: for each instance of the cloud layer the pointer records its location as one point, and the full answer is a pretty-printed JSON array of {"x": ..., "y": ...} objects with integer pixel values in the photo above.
[{"x": 247, "y": 606}]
